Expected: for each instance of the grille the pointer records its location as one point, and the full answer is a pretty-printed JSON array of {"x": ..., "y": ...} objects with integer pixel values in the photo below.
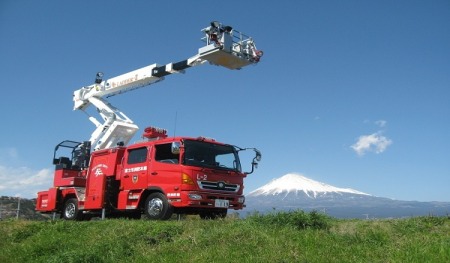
[{"x": 219, "y": 186}]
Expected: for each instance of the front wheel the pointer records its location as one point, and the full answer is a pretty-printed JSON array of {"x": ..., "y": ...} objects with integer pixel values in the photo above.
[
  {"x": 70, "y": 211},
  {"x": 157, "y": 207}
]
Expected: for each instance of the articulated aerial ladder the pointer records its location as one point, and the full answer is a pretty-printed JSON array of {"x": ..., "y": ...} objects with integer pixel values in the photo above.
[{"x": 224, "y": 47}]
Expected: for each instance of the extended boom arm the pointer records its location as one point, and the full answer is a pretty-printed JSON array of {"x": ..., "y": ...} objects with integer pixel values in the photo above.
[{"x": 224, "y": 47}]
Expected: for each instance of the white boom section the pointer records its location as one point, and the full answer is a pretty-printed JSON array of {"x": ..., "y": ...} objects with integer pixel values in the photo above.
[
  {"x": 224, "y": 47},
  {"x": 117, "y": 127}
]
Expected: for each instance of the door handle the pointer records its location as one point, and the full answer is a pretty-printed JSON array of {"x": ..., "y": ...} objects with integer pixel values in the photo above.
[{"x": 154, "y": 173}]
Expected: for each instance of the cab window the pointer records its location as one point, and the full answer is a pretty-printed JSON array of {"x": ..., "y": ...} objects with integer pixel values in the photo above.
[
  {"x": 164, "y": 154},
  {"x": 138, "y": 155}
]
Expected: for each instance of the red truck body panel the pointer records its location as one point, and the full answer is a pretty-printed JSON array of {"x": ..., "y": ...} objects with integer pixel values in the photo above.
[
  {"x": 47, "y": 200},
  {"x": 65, "y": 177},
  {"x": 125, "y": 176},
  {"x": 103, "y": 164}
]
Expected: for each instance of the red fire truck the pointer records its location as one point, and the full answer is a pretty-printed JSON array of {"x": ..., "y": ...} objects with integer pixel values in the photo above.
[{"x": 159, "y": 175}]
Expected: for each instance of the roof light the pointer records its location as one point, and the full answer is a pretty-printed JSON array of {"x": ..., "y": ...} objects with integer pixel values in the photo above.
[{"x": 154, "y": 132}]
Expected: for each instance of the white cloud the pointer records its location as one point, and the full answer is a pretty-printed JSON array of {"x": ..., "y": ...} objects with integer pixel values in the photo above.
[
  {"x": 19, "y": 180},
  {"x": 23, "y": 181},
  {"x": 371, "y": 143},
  {"x": 381, "y": 123}
]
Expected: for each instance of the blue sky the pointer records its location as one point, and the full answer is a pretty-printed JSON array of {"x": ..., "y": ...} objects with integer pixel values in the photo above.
[{"x": 351, "y": 93}]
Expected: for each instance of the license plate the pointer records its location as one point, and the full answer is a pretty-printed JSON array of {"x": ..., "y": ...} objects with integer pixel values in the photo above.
[{"x": 222, "y": 203}]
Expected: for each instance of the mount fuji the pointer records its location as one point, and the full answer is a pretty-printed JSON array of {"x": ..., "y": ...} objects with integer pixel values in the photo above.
[
  {"x": 294, "y": 191},
  {"x": 296, "y": 183}
]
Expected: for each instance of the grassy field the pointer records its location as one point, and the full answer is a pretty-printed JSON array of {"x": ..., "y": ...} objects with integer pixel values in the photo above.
[{"x": 281, "y": 237}]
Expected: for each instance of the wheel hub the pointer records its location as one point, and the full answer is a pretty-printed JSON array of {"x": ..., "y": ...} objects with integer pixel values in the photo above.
[{"x": 155, "y": 207}]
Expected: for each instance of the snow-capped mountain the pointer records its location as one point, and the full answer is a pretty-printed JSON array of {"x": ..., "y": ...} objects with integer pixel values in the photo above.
[
  {"x": 294, "y": 183},
  {"x": 294, "y": 191}
]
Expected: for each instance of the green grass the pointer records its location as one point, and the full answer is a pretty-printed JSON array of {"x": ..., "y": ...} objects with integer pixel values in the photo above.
[{"x": 280, "y": 237}]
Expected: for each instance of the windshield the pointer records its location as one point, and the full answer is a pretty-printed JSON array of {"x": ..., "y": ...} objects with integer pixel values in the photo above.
[{"x": 210, "y": 155}]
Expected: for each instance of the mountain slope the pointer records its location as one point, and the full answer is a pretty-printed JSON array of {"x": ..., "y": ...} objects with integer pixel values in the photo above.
[
  {"x": 294, "y": 191},
  {"x": 298, "y": 183}
]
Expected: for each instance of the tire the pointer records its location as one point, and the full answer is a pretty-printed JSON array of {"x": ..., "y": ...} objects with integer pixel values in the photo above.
[
  {"x": 70, "y": 210},
  {"x": 218, "y": 214},
  {"x": 157, "y": 207}
]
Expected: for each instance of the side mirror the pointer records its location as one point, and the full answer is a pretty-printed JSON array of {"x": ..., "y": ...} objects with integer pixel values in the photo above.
[
  {"x": 258, "y": 155},
  {"x": 175, "y": 148},
  {"x": 255, "y": 160}
]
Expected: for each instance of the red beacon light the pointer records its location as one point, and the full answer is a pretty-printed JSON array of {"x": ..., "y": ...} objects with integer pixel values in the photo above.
[{"x": 154, "y": 132}]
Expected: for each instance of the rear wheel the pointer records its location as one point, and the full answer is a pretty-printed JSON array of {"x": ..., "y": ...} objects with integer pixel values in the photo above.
[
  {"x": 157, "y": 207},
  {"x": 70, "y": 211}
]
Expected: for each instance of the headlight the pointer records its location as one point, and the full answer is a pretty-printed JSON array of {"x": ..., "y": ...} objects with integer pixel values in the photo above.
[{"x": 241, "y": 200}]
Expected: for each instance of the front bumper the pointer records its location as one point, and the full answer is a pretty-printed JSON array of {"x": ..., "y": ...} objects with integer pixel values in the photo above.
[{"x": 199, "y": 199}]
